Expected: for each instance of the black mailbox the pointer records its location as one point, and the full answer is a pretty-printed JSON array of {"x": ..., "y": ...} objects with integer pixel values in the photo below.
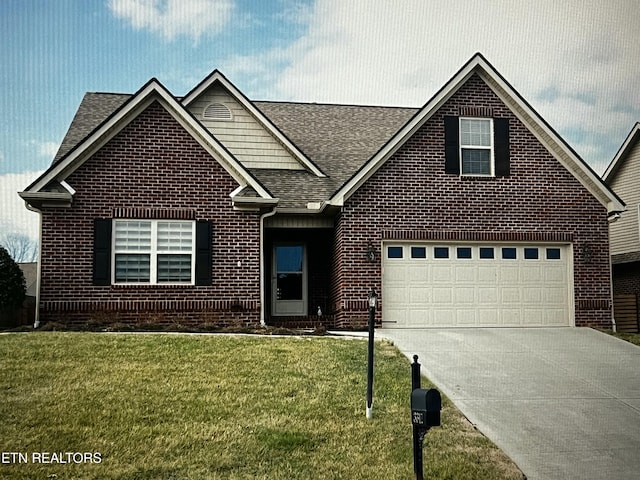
[{"x": 425, "y": 407}]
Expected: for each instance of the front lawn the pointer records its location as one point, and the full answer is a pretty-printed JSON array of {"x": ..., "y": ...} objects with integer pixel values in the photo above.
[{"x": 144, "y": 406}]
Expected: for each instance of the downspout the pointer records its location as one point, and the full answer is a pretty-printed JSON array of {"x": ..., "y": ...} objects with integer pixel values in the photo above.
[
  {"x": 262, "y": 266},
  {"x": 36, "y": 322}
]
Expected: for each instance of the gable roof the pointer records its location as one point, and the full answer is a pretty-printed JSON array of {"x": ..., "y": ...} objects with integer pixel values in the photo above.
[
  {"x": 217, "y": 77},
  {"x": 340, "y": 146},
  {"x": 536, "y": 124},
  {"x": 69, "y": 158},
  {"x": 621, "y": 155}
]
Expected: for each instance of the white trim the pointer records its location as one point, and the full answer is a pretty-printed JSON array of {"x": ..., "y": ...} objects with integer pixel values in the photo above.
[
  {"x": 490, "y": 148},
  {"x": 68, "y": 187},
  {"x": 556, "y": 146},
  {"x": 216, "y": 76},
  {"x": 151, "y": 92},
  {"x": 153, "y": 252},
  {"x": 622, "y": 152}
]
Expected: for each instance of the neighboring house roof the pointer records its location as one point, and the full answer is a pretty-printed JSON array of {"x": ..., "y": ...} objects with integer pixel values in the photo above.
[
  {"x": 620, "y": 157},
  {"x": 30, "y": 272},
  {"x": 623, "y": 175},
  {"x": 339, "y": 146},
  {"x": 529, "y": 117}
]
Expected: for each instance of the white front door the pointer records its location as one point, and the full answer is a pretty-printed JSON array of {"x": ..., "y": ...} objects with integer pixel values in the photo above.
[{"x": 289, "y": 279}]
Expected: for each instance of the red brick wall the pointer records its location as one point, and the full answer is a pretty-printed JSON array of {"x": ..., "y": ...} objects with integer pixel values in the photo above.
[
  {"x": 152, "y": 169},
  {"x": 626, "y": 278},
  {"x": 411, "y": 194}
]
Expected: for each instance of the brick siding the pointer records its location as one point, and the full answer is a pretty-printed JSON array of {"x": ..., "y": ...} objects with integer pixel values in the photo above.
[
  {"x": 412, "y": 197},
  {"x": 153, "y": 168},
  {"x": 626, "y": 278}
]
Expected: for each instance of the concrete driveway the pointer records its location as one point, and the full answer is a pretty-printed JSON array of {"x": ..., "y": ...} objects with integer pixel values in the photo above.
[{"x": 563, "y": 403}]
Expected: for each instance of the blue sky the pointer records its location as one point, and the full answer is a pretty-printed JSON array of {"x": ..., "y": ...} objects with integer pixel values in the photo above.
[{"x": 575, "y": 61}]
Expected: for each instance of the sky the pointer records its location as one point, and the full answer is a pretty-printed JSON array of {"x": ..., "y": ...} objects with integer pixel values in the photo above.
[{"x": 574, "y": 61}]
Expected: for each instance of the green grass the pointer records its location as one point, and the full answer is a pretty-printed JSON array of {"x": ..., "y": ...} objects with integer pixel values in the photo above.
[
  {"x": 220, "y": 407},
  {"x": 629, "y": 337}
]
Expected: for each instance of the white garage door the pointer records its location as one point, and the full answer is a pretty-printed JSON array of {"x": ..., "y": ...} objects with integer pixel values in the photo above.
[{"x": 483, "y": 285}]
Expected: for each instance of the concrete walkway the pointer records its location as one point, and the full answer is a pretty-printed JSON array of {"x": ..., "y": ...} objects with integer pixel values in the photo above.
[{"x": 563, "y": 403}]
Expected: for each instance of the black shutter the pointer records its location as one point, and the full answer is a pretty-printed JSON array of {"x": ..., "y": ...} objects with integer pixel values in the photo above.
[
  {"x": 203, "y": 252},
  {"x": 102, "y": 251},
  {"x": 501, "y": 144},
  {"x": 451, "y": 145}
]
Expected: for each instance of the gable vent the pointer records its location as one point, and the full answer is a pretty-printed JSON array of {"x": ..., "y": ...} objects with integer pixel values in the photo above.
[
  {"x": 217, "y": 111},
  {"x": 476, "y": 111}
]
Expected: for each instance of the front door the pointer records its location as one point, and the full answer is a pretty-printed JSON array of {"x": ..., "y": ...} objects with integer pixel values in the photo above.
[{"x": 289, "y": 279}]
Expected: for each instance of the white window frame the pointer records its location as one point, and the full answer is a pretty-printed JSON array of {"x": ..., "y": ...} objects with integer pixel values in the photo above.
[
  {"x": 153, "y": 252},
  {"x": 469, "y": 146}
]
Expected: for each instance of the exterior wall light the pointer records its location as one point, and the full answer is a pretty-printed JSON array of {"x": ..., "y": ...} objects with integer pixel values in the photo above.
[{"x": 371, "y": 252}]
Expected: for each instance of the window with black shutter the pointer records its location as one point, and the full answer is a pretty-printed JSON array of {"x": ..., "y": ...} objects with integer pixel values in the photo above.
[
  {"x": 477, "y": 146},
  {"x": 156, "y": 252}
]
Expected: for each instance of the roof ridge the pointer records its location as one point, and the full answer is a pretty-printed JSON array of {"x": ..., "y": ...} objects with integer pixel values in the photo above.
[{"x": 333, "y": 104}]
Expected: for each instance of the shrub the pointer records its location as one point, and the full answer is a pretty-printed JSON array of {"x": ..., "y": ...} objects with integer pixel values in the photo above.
[{"x": 12, "y": 289}]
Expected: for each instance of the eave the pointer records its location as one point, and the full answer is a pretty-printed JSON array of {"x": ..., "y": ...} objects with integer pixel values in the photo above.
[
  {"x": 39, "y": 200},
  {"x": 153, "y": 91},
  {"x": 538, "y": 126}
]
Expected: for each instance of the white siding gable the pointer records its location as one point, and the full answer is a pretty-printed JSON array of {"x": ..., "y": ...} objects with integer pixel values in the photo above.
[
  {"x": 246, "y": 138},
  {"x": 625, "y": 233}
]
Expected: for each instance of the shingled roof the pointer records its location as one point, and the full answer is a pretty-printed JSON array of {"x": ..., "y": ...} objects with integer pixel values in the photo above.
[{"x": 337, "y": 138}]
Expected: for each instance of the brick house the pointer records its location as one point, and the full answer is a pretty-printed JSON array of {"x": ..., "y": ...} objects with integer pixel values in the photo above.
[
  {"x": 623, "y": 176},
  {"x": 215, "y": 209}
]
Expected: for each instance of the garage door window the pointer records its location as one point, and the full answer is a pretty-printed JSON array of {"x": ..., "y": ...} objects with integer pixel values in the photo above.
[
  {"x": 418, "y": 252},
  {"x": 463, "y": 252},
  {"x": 509, "y": 253},
  {"x": 394, "y": 252},
  {"x": 531, "y": 254},
  {"x": 441, "y": 252},
  {"x": 487, "y": 252},
  {"x": 553, "y": 254}
]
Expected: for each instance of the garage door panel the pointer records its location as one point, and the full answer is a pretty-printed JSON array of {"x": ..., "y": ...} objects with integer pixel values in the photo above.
[
  {"x": 419, "y": 295},
  {"x": 488, "y": 295},
  {"x": 445, "y": 318},
  {"x": 442, "y": 273},
  {"x": 464, "y": 295},
  {"x": 465, "y": 273},
  {"x": 511, "y": 295},
  {"x": 531, "y": 274},
  {"x": 488, "y": 274},
  {"x": 443, "y": 296},
  {"x": 466, "y": 317},
  {"x": 532, "y": 296},
  {"x": 556, "y": 273},
  {"x": 499, "y": 285},
  {"x": 509, "y": 274},
  {"x": 418, "y": 317}
]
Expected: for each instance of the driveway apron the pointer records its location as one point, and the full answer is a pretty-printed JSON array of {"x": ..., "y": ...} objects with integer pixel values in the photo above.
[{"x": 563, "y": 403}]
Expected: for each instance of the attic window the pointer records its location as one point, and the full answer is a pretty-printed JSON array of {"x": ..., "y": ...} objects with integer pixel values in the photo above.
[{"x": 217, "y": 111}]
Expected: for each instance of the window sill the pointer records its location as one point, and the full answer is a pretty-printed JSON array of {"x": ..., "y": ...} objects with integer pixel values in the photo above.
[{"x": 147, "y": 286}]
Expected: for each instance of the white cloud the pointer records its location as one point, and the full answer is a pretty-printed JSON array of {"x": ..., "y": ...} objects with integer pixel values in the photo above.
[
  {"x": 46, "y": 149},
  {"x": 574, "y": 61},
  {"x": 174, "y": 18},
  {"x": 14, "y": 217}
]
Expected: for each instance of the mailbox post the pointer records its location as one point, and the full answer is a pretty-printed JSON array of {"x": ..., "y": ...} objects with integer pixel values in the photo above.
[
  {"x": 373, "y": 299},
  {"x": 425, "y": 413}
]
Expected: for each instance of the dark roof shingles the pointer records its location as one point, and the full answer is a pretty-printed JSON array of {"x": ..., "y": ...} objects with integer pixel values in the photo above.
[{"x": 337, "y": 138}]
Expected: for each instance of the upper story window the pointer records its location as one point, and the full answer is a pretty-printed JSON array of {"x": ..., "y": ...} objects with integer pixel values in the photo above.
[
  {"x": 217, "y": 111},
  {"x": 154, "y": 252},
  {"x": 476, "y": 146}
]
